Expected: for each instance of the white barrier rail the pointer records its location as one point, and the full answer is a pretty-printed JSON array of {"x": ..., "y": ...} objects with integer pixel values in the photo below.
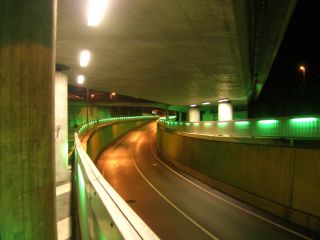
[{"x": 102, "y": 213}]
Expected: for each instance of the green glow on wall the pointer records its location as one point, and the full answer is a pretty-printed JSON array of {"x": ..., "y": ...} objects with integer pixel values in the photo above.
[
  {"x": 222, "y": 124},
  {"x": 303, "y": 120},
  {"x": 207, "y": 124},
  {"x": 196, "y": 124},
  {"x": 270, "y": 121}
]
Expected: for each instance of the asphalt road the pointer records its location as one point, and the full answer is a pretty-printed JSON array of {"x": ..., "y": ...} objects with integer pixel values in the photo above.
[{"x": 177, "y": 206}]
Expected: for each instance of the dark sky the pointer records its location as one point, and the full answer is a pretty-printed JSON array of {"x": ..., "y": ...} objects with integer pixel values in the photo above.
[{"x": 284, "y": 93}]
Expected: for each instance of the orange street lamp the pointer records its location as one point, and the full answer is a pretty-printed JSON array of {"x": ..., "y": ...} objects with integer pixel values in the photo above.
[{"x": 303, "y": 69}]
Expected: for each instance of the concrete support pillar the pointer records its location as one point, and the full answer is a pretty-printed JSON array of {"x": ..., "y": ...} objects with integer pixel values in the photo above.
[
  {"x": 225, "y": 111},
  {"x": 61, "y": 126},
  {"x": 167, "y": 114},
  {"x": 180, "y": 116},
  {"x": 194, "y": 115},
  {"x": 27, "y": 180}
]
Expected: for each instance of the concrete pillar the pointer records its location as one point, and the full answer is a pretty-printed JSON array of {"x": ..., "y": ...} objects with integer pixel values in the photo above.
[
  {"x": 225, "y": 111},
  {"x": 167, "y": 114},
  {"x": 61, "y": 126},
  {"x": 180, "y": 116},
  {"x": 27, "y": 179},
  {"x": 194, "y": 115}
]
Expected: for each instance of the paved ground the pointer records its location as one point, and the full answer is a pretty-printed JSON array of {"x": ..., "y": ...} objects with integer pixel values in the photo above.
[
  {"x": 63, "y": 203},
  {"x": 177, "y": 206}
]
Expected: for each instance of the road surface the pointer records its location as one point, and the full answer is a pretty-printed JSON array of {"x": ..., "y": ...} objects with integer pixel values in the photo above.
[{"x": 177, "y": 206}]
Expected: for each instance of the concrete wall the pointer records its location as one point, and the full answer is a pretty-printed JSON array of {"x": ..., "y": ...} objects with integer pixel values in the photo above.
[
  {"x": 104, "y": 136},
  {"x": 282, "y": 180}
]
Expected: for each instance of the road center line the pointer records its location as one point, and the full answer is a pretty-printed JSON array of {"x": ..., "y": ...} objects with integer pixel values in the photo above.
[{"x": 172, "y": 204}]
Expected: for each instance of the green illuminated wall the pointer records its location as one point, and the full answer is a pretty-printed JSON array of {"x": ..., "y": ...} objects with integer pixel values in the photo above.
[
  {"x": 282, "y": 180},
  {"x": 106, "y": 135}
]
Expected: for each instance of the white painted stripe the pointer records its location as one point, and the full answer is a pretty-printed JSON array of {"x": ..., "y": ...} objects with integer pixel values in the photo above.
[
  {"x": 204, "y": 230},
  {"x": 63, "y": 189},
  {"x": 64, "y": 229},
  {"x": 230, "y": 203}
]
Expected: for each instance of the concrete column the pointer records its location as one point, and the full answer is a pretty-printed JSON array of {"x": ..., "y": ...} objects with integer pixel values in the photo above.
[
  {"x": 180, "y": 116},
  {"x": 167, "y": 114},
  {"x": 225, "y": 111},
  {"x": 27, "y": 179},
  {"x": 61, "y": 126},
  {"x": 194, "y": 115}
]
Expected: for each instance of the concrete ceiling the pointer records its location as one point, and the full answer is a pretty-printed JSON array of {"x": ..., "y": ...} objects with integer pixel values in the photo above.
[{"x": 177, "y": 52}]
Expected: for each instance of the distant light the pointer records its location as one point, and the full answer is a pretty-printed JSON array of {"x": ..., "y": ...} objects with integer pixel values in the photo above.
[
  {"x": 205, "y": 103},
  {"x": 193, "y": 105},
  {"x": 302, "y": 68},
  {"x": 92, "y": 95},
  {"x": 84, "y": 58},
  {"x": 223, "y": 100},
  {"x": 96, "y": 10},
  {"x": 80, "y": 79},
  {"x": 113, "y": 94}
]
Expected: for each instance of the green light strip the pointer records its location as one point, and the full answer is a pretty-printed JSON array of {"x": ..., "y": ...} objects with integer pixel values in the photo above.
[
  {"x": 222, "y": 124},
  {"x": 303, "y": 120},
  {"x": 242, "y": 123},
  {"x": 207, "y": 124},
  {"x": 270, "y": 121}
]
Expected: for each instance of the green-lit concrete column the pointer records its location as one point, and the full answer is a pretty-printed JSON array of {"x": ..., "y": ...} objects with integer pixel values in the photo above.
[
  {"x": 167, "y": 114},
  {"x": 180, "y": 115},
  {"x": 27, "y": 182}
]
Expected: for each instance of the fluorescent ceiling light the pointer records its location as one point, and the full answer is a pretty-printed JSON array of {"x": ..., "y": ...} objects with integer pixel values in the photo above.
[
  {"x": 223, "y": 100},
  {"x": 80, "y": 79},
  {"x": 96, "y": 10},
  {"x": 205, "y": 103},
  {"x": 84, "y": 58},
  {"x": 193, "y": 105}
]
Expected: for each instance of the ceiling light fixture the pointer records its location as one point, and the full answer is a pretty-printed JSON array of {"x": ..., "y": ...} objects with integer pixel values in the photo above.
[
  {"x": 222, "y": 100},
  {"x": 205, "y": 103},
  {"x": 84, "y": 58},
  {"x": 193, "y": 105},
  {"x": 96, "y": 10},
  {"x": 80, "y": 79}
]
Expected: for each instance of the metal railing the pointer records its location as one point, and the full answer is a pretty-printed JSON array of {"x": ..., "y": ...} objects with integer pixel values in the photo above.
[
  {"x": 306, "y": 127},
  {"x": 102, "y": 213}
]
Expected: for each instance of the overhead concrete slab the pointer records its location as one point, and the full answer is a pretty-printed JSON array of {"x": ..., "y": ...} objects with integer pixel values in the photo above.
[{"x": 176, "y": 52}]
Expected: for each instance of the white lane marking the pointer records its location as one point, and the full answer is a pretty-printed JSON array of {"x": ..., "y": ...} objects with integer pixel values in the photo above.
[
  {"x": 172, "y": 204},
  {"x": 228, "y": 202},
  {"x": 64, "y": 229},
  {"x": 63, "y": 189}
]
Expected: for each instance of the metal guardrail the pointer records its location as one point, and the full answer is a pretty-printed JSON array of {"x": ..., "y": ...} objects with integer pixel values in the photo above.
[
  {"x": 306, "y": 127},
  {"x": 102, "y": 213}
]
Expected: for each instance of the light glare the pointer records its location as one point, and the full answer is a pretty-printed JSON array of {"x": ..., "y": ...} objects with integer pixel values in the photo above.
[
  {"x": 96, "y": 10},
  {"x": 80, "y": 79},
  {"x": 223, "y": 100},
  {"x": 205, "y": 103},
  {"x": 84, "y": 58},
  {"x": 193, "y": 105}
]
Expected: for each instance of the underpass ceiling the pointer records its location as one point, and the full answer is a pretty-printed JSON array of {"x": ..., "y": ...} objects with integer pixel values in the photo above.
[{"x": 174, "y": 52}]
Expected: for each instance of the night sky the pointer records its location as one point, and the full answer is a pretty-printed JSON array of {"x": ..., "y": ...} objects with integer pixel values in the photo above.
[{"x": 284, "y": 93}]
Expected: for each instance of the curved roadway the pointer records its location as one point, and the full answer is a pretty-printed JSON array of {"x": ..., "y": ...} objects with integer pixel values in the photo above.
[{"x": 175, "y": 205}]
